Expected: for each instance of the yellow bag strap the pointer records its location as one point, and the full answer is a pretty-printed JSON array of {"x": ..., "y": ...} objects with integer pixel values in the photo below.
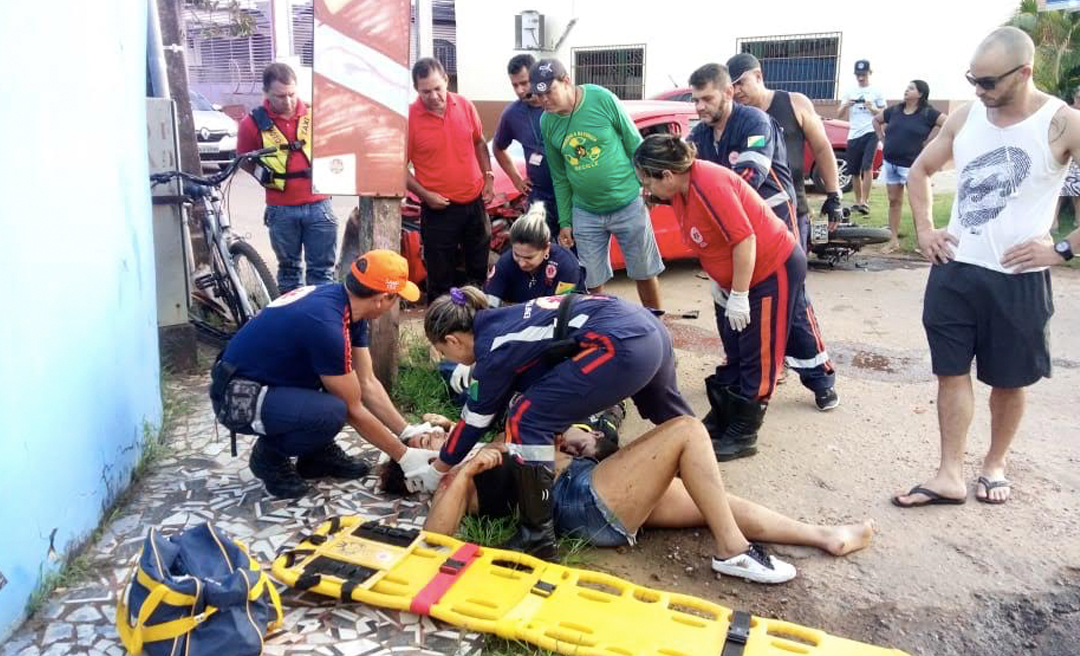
[
  {"x": 134, "y": 635},
  {"x": 263, "y": 582},
  {"x": 171, "y": 597}
]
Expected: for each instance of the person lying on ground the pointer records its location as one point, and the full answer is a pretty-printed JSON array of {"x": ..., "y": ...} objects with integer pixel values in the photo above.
[{"x": 667, "y": 478}]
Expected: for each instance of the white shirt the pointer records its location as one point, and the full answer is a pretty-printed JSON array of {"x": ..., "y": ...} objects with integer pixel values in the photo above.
[
  {"x": 861, "y": 119},
  {"x": 1008, "y": 185}
]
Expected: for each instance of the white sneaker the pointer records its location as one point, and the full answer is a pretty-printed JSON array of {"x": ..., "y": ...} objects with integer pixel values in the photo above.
[{"x": 755, "y": 565}]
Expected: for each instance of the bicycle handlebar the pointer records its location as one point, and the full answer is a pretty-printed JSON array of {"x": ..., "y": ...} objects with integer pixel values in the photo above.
[{"x": 216, "y": 179}]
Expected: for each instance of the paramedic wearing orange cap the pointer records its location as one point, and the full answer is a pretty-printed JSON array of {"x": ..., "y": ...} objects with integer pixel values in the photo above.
[{"x": 297, "y": 372}]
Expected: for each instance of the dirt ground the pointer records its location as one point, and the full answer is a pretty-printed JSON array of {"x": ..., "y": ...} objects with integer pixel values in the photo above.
[{"x": 973, "y": 579}]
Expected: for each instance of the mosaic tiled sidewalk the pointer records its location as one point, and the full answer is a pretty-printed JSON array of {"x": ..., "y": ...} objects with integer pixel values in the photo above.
[{"x": 200, "y": 481}]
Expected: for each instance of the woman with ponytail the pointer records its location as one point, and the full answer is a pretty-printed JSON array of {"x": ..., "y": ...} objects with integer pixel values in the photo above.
[
  {"x": 608, "y": 350},
  {"x": 756, "y": 272}
]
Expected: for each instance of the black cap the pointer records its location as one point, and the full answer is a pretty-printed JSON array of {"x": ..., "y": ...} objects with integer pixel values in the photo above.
[
  {"x": 862, "y": 66},
  {"x": 741, "y": 63},
  {"x": 543, "y": 73}
]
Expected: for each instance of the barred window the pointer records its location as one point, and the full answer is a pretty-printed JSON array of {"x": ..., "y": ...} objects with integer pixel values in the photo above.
[
  {"x": 303, "y": 26},
  {"x": 805, "y": 63},
  {"x": 621, "y": 69}
]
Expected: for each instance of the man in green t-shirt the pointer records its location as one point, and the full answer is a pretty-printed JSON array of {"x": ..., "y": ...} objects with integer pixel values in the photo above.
[{"x": 590, "y": 143}]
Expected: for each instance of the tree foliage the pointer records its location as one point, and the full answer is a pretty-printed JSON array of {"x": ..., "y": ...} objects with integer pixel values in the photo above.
[
  {"x": 1057, "y": 47},
  {"x": 222, "y": 18}
]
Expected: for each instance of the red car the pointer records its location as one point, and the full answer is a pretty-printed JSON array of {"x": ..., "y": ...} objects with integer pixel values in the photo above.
[
  {"x": 650, "y": 117},
  {"x": 835, "y": 129}
]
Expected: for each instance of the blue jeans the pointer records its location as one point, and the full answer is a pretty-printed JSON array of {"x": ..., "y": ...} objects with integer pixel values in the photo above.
[
  {"x": 580, "y": 512},
  {"x": 311, "y": 228}
]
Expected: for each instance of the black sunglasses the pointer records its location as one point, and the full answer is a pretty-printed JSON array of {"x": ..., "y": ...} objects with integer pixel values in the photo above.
[{"x": 990, "y": 81}]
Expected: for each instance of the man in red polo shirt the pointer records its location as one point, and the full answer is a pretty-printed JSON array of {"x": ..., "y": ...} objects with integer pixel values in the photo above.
[
  {"x": 451, "y": 174},
  {"x": 300, "y": 222}
]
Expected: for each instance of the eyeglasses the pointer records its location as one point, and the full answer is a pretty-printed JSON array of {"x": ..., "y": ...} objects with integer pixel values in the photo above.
[{"x": 990, "y": 81}]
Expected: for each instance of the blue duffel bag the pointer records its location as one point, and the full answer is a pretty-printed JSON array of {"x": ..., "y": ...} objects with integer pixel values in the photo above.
[{"x": 196, "y": 593}]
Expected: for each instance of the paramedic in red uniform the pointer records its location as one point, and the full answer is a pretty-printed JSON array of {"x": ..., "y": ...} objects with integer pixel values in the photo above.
[
  {"x": 751, "y": 257},
  {"x": 301, "y": 223},
  {"x": 452, "y": 176}
]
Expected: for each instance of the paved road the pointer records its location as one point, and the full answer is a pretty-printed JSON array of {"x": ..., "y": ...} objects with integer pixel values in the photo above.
[{"x": 246, "y": 202}]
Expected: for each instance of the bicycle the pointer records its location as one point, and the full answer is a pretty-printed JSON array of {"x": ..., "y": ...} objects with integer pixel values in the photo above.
[{"x": 239, "y": 283}]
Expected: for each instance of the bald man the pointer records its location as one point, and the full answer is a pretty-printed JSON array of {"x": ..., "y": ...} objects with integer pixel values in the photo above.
[{"x": 988, "y": 296}]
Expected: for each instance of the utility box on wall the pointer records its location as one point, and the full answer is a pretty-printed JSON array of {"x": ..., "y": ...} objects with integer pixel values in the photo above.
[
  {"x": 529, "y": 32},
  {"x": 172, "y": 255}
]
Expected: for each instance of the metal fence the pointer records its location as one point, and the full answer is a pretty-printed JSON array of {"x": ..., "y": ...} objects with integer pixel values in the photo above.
[
  {"x": 805, "y": 63},
  {"x": 621, "y": 69},
  {"x": 216, "y": 58}
]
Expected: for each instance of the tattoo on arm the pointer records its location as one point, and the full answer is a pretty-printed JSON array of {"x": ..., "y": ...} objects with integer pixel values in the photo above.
[{"x": 1058, "y": 124}]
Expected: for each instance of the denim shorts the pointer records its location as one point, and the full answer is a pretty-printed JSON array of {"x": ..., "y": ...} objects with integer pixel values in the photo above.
[
  {"x": 893, "y": 174},
  {"x": 579, "y": 511},
  {"x": 632, "y": 227}
]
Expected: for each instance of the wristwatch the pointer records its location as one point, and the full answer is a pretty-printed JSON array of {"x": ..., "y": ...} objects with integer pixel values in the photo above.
[
  {"x": 1064, "y": 249},
  {"x": 489, "y": 174}
]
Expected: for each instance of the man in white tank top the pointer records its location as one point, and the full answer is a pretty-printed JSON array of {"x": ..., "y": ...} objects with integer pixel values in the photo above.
[{"x": 988, "y": 296}]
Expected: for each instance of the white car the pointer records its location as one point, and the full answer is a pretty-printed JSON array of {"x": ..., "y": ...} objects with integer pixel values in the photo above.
[{"x": 214, "y": 130}]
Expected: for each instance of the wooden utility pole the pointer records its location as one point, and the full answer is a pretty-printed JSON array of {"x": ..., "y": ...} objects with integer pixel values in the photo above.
[
  {"x": 376, "y": 223},
  {"x": 172, "y": 38}
]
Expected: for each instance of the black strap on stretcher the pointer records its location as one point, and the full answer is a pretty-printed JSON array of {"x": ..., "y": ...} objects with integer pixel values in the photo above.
[
  {"x": 562, "y": 347},
  {"x": 737, "y": 635},
  {"x": 351, "y": 574}
]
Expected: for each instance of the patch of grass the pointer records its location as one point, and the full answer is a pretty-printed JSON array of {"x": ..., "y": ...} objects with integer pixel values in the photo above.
[
  {"x": 487, "y": 531},
  {"x": 420, "y": 388}
]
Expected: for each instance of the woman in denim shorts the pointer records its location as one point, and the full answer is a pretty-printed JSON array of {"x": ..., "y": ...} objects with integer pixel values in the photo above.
[{"x": 667, "y": 478}]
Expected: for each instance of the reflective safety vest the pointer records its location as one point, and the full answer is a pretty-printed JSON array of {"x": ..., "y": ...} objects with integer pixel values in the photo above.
[{"x": 275, "y": 165}]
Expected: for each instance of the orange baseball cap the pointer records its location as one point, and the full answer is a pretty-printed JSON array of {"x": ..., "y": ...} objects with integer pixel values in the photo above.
[{"x": 385, "y": 271}]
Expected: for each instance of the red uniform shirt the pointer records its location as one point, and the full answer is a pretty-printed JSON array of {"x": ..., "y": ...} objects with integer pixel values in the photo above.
[
  {"x": 720, "y": 210},
  {"x": 442, "y": 149},
  {"x": 297, "y": 190}
]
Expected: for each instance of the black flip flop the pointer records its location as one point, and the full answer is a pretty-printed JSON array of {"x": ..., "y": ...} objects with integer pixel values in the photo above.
[
  {"x": 990, "y": 485},
  {"x": 932, "y": 499}
]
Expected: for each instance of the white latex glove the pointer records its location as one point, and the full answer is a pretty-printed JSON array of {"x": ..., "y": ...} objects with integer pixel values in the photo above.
[
  {"x": 413, "y": 430},
  {"x": 425, "y": 479},
  {"x": 416, "y": 459},
  {"x": 738, "y": 310},
  {"x": 719, "y": 296},
  {"x": 461, "y": 378}
]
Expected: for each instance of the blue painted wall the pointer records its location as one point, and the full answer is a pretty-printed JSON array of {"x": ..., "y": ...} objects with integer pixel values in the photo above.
[{"x": 79, "y": 373}]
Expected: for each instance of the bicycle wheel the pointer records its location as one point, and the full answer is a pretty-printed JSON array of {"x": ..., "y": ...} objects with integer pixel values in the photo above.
[
  {"x": 255, "y": 278},
  {"x": 858, "y": 236}
]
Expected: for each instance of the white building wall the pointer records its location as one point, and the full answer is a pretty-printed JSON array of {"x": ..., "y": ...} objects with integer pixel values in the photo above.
[{"x": 928, "y": 39}]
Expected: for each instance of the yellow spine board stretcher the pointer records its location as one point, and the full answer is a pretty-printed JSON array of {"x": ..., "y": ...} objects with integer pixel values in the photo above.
[{"x": 518, "y": 597}]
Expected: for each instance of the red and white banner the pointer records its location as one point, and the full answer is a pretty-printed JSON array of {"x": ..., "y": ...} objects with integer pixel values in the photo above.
[{"x": 362, "y": 89}]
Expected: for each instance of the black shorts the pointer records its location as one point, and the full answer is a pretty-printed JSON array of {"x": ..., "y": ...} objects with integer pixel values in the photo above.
[
  {"x": 860, "y": 153},
  {"x": 1001, "y": 320}
]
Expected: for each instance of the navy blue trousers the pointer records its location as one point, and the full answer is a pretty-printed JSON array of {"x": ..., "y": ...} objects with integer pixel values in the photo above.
[
  {"x": 298, "y": 421},
  {"x": 755, "y": 355}
]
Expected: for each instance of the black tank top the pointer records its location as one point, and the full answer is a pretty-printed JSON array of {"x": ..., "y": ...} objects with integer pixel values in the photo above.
[{"x": 795, "y": 140}]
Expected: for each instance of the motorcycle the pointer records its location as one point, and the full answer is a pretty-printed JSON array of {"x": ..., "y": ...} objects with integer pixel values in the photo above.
[{"x": 845, "y": 239}]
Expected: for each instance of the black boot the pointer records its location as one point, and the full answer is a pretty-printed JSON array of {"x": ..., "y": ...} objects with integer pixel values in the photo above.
[
  {"x": 740, "y": 438},
  {"x": 719, "y": 416},
  {"x": 276, "y": 472},
  {"x": 331, "y": 461},
  {"x": 536, "y": 530}
]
